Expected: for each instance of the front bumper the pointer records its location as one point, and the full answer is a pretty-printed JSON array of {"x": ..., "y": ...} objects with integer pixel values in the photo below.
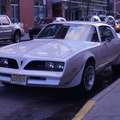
[{"x": 33, "y": 78}]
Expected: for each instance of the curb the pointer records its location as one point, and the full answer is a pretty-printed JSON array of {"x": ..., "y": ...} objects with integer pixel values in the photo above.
[{"x": 93, "y": 101}]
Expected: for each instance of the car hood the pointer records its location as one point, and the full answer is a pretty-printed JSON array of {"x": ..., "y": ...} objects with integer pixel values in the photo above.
[
  {"x": 45, "y": 48},
  {"x": 38, "y": 26}
]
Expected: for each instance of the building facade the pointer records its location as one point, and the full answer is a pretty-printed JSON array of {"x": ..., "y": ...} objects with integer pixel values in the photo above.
[
  {"x": 114, "y": 8},
  {"x": 117, "y": 8},
  {"x": 75, "y": 9},
  {"x": 29, "y": 12}
]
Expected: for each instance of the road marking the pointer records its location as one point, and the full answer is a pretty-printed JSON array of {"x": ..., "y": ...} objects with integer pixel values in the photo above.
[{"x": 85, "y": 109}]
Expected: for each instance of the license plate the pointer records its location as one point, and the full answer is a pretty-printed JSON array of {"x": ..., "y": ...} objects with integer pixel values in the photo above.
[{"x": 18, "y": 79}]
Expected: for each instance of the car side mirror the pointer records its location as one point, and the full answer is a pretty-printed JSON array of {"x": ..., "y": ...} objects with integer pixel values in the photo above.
[{"x": 108, "y": 39}]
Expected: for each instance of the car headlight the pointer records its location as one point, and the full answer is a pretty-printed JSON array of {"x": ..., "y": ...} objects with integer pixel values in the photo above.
[
  {"x": 3, "y": 62},
  {"x": 55, "y": 66},
  {"x": 49, "y": 65}
]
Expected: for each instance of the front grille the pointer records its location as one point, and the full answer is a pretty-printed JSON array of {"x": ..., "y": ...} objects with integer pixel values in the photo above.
[
  {"x": 35, "y": 65},
  {"x": 11, "y": 63}
]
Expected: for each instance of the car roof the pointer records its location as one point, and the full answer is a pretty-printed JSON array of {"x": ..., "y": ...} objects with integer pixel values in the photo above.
[{"x": 81, "y": 22}]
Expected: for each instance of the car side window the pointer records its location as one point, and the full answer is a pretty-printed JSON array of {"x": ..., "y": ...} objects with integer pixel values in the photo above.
[
  {"x": 4, "y": 21},
  {"x": 93, "y": 35},
  {"x": 106, "y": 33}
]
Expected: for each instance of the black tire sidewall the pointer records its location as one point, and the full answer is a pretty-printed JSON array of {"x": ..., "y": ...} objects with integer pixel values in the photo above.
[
  {"x": 14, "y": 39},
  {"x": 82, "y": 87}
]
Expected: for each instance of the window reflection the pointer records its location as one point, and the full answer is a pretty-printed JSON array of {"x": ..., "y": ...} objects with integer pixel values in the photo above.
[
  {"x": 67, "y": 32},
  {"x": 15, "y": 11}
]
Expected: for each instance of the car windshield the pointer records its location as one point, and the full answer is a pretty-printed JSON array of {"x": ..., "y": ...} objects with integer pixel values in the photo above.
[
  {"x": 102, "y": 18},
  {"x": 67, "y": 32}
]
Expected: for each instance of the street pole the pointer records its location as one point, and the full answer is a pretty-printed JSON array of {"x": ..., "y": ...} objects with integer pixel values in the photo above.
[
  {"x": 115, "y": 8},
  {"x": 115, "y": 3},
  {"x": 44, "y": 9},
  {"x": 69, "y": 9}
]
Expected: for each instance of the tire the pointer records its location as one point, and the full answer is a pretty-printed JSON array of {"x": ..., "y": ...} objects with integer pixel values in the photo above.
[
  {"x": 6, "y": 84},
  {"x": 31, "y": 37},
  {"x": 116, "y": 69},
  {"x": 88, "y": 78},
  {"x": 17, "y": 37}
]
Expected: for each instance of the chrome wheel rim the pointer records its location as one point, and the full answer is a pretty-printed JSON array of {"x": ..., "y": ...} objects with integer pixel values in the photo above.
[
  {"x": 89, "y": 78},
  {"x": 17, "y": 37}
]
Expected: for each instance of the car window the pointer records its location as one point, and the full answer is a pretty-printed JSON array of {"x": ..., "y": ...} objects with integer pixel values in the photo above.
[
  {"x": 45, "y": 21},
  {"x": 50, "y": 31},
  {"x": 102, "y": 18},
  {"x": 4, "y": 21},
  {"x": 93, "y": 35},
  {"x": 106, "y": 32},
  {"x": 66, "y": 31},
  {"x": 78, "y": 32}
]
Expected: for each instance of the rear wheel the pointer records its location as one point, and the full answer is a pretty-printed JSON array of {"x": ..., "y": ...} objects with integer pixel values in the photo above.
[
  {"x": 17, "y": 37},
  {"x": 88, "y": 78}
]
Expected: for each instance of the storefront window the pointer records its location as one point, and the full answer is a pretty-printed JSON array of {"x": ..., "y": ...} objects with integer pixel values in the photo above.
[
  {"x": 39, "y": 10},
  {"x": 3, "y": 6},
  {"x": 15, "y": 11},
  {"x": 14, "y": 1}
]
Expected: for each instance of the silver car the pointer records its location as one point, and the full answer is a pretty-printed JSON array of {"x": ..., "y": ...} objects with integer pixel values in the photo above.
[
  {"x": 10, "y": 31},
  {"x": 63, "y": 55}
]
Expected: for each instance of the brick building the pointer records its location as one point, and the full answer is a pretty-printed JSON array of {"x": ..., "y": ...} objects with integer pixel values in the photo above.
[{"x": 29, "y": 12}]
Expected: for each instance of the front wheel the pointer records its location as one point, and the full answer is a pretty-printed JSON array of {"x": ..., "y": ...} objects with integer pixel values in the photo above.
[
  {"x": 88, "y": 78},
  {"x": 116, "y": 68},
  {"x": 17, "y": 37},
  {"x": 6, "y": 84},
  {"x": 31, "y": 37}
]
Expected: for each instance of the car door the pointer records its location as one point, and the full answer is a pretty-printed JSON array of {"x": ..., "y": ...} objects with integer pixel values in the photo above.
[
  {"x": 109, "y": 45},
  {"x": 6, "y": 27}
]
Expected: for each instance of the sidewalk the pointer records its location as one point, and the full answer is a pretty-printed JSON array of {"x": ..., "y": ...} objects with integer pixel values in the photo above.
[
  {"x": 104, "y": 106},
  {"x": 25, "y": 37}
]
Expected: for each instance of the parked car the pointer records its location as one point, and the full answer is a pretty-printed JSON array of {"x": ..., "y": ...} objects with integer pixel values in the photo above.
[
  {"x": 102, "y": 17},
  {"x": 95, "y": 18},
  {"x": 34, "y": 30},
  {"x": 85, "y": 18},
  {"x": 110, "y": 20},
  {"x": 63, "y": 55},
  {"x": 10, "y": 31}
]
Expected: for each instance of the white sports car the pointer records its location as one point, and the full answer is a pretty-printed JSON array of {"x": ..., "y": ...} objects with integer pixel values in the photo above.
[{"x": 63, "y": 55}]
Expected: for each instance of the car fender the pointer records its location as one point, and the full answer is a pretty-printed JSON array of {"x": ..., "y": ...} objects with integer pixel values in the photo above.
[
  {"x": 15, "y": 28},
  {"x": 76, "y": 80},
  {"x": 15, "y": 31},
  {"x": 117, "y": 62}
]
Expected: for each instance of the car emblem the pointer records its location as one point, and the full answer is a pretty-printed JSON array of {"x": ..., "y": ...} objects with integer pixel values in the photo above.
[{"x": 21, "y": 62}]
